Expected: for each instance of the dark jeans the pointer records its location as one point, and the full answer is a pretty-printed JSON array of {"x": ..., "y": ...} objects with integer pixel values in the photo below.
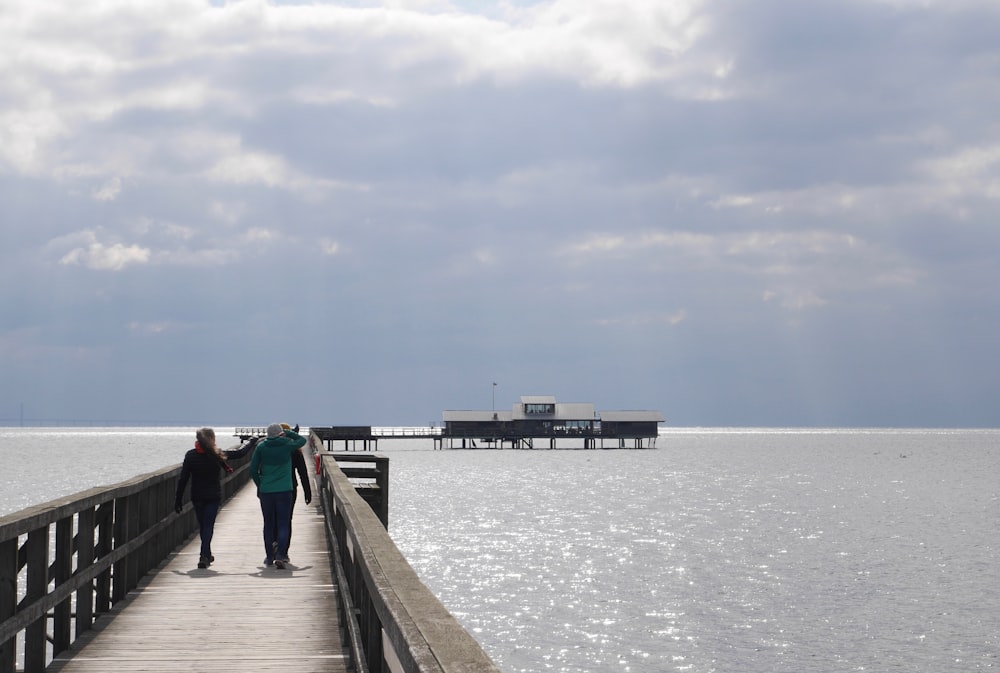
[
  {"x": 206, "y": 511},
  {"x": 291, "y": 514},
  {"x": 276, "y": 508}
]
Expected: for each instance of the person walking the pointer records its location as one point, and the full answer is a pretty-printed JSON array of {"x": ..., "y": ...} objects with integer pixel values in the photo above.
[
  {"x": 271, "y": 471},
  {"x": 300, "y": 473},
  {"x": 203, "y": 466}
]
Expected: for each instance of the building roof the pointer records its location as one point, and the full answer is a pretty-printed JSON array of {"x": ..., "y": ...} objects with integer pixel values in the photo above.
[
  {"x": 538, "y": 399},
  {"x": 476, "y": 416},
  {"x": 632, "y": 416}
]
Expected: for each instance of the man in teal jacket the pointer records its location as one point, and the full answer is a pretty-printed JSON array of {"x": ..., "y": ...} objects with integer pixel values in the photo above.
[{"x": 271, "y": 470}]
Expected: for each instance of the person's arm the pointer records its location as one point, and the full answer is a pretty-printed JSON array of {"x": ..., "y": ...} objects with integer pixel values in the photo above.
[
  {"x": 298, "y": 441},
  {"x": 243, "y": 450},
  {"x": 299, "y": 463}
]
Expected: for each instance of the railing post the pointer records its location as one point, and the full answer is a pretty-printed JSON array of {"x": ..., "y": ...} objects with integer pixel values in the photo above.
[
  {"x": 134, "y": 571},
  {"x": 62, "y": 570},
  {"x": 119, "y": 581},
  {"x": 382, "y": 480},
  {"x": 37, "y": 563},
  {"x": 8, "y": 601},
  {"x": 105, "y": 543},
  {"x": 147, "y": 511},
  {"x": 84, "y": 558},
  {"x": 164, "y": 507}
]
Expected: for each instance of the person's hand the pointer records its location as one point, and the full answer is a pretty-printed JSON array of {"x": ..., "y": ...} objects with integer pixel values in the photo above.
[
  {"x": 178, "y": 507},
  {"x": 296, "y": 428}
]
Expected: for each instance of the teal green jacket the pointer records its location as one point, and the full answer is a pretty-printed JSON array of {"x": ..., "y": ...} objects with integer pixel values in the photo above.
[{"x": 271, "y": 465}]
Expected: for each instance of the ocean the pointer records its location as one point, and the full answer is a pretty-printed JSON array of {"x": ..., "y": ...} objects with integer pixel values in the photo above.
[{"x": 721, "y": 550}]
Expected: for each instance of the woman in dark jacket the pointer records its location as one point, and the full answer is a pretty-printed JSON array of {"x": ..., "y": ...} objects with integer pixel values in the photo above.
[{"x": 203, "y": 465}]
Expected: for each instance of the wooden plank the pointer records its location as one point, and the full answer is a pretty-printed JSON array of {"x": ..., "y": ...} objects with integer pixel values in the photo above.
[{"x": 237, "y": 615}]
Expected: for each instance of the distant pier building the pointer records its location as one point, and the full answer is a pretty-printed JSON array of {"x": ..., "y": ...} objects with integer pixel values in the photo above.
[{"x": 541, "y": 417}]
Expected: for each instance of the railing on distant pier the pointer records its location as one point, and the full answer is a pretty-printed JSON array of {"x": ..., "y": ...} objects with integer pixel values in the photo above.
[
  {"x": 353, "y": 432},
  {"x": 365, "y": 437},
  {"x": 68, "y": 561},
  {"x": 497, "y": 435},
  {"x": 418, "y": 431},
  {"x": 392, "y": 620}
]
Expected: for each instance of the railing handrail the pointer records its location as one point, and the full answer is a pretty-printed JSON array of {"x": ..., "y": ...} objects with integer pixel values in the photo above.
[
  {"x": 387, "y": 595},
  {"x": 34, "y": 516},
  {"x": 409, "y": 431},
  {"x": 122, "y": 532}
]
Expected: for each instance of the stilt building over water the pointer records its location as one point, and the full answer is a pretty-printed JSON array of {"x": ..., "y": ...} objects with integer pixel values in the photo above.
[{"x": 541, "y": 417}]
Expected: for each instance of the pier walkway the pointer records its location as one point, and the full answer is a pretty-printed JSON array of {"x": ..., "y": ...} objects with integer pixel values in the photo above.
[
  {"x": 235, "y": 616},
  {"x": 107, "y": 580}
]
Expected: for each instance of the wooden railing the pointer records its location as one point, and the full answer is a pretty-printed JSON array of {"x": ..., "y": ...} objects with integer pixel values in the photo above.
[
  {"x": 393, "y": 621},
  {"x": 369, "y": 473},
  {"x": 68, "y": 561}
]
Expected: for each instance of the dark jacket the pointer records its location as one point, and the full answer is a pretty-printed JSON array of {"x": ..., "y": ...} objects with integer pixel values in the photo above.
[
  {"x": 299, "y": 465},
  {"x": 204, "y": 470}
]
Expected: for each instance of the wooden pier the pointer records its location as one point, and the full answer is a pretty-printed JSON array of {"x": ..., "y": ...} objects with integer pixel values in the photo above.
[
  {"x": 107, "y": 580},
  {"x": 236, "y": 615}
]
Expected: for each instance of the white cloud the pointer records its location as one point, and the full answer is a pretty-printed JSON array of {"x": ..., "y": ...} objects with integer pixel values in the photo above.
[
  {"x": 259, "y": 235},
  {"x": 671, "y": 319},
  {"x": 25, "y": 135},
  {"x": 968, "y": 171},
  {"x": 733, "y": 201},
  {"x": 228, "y": 212},
  {"x": 251, "y": 168},
  {"x": 109, "y": 191},
  {"x": 473, "y": 262},
  {"x": 100, "y": 257},
  {"x": 248, "y": 168},
  {"x": 600, "y": 42},
  {"x": 596, "y": 244},
  {"x": 86, "y": 249},
  {"x": 149, "y": 328},
  {"x": 329, "y": 247},
  {"x": 796, "y": 268},
  {"x": 795, "y": 300}
]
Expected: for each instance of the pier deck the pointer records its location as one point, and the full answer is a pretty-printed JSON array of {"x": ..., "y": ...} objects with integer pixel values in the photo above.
[{"x": 236, "y": 615}]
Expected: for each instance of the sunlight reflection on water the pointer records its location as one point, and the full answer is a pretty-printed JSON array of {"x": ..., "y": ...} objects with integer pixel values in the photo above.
[
  {"x": 733, "y": 550},
  {"x": 757, "y": 551}
]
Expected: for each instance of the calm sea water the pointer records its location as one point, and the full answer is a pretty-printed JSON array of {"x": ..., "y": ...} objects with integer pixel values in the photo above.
[{"x": 804, "y": 551}]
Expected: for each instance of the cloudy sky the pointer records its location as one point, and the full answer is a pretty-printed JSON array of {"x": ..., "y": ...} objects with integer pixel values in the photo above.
[{"x": 767, "y": 213}]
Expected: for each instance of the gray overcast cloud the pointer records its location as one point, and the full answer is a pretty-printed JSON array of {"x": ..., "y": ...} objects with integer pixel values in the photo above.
[{"x": 737, "y": 213}]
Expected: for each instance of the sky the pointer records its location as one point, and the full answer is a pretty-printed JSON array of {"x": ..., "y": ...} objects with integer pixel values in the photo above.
[{"x": 767, "y": 213}]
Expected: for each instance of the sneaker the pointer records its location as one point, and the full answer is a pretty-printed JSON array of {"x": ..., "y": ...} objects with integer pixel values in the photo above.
[
  {"x": 279, "y": 564},
  {"x": 203, "y": 563}
]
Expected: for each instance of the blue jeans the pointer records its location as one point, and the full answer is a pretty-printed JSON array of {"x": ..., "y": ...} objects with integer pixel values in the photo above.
[
  {"x": 277, "y": 511},
  {"x": 206, "y": 511},
  {"x": 291, "y": 512}
]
